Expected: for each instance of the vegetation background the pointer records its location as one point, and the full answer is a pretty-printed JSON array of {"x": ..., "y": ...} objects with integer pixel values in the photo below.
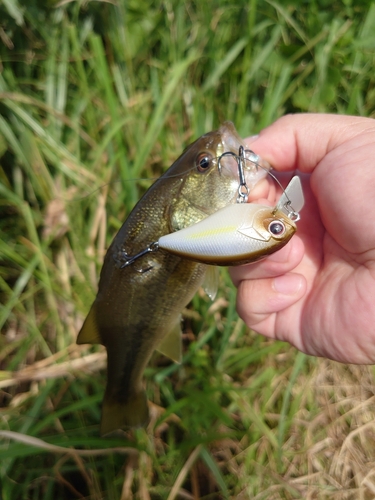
[{"x": 97, "y": 98}]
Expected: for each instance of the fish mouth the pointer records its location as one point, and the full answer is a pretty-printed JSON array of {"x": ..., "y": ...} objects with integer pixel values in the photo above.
[
  {"x": 254, "y": 167},
  {"x": 230, "y": 138}
]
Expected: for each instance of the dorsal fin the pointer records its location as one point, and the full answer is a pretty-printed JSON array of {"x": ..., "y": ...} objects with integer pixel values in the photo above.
[{"x": 89, "y": 333}]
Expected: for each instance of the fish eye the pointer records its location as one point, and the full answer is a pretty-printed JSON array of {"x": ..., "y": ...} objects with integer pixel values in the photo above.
[
  {"x": 276, "y": 228},
  {"x": 203, "y": 162}
]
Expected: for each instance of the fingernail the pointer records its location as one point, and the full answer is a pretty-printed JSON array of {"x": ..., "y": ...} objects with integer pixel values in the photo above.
[
  {"x": 289, "y": 284},
  {"x": 251, "y": 139}
]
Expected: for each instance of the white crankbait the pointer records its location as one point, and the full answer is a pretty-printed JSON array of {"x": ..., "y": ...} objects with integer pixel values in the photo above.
[{"x": 241, "y": 233}]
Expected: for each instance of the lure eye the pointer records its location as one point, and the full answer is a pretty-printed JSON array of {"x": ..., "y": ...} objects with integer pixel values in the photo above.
[
  {"x": 203, "y": 162},
  {"x": 276, "y": 228}
]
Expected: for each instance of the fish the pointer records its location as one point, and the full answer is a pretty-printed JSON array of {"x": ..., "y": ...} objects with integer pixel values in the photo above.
[{"x": 138, "y": 306}]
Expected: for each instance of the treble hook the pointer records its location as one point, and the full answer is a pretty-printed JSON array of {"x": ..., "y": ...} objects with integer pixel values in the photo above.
[{"x": 243, "y": 190}]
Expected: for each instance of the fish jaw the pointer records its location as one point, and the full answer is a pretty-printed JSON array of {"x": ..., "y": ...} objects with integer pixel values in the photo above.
[{"x": 255, "y": 168}]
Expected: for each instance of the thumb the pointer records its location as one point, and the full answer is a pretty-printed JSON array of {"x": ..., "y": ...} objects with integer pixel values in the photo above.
[{"x": 259, "y": 301}]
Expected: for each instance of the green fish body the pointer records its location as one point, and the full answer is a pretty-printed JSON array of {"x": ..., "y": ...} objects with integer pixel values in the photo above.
[{"x": 137, "y": 308}]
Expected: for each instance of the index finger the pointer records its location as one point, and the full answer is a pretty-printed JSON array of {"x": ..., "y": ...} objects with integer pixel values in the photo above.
[{"x": 301, "y": 141}]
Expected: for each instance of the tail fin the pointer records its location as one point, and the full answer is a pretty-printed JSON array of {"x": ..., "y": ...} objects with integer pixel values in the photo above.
[{"x": 115, "y": 415}]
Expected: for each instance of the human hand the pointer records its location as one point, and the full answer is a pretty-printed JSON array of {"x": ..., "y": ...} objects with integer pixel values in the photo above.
[{"x": 318, "y": 292}]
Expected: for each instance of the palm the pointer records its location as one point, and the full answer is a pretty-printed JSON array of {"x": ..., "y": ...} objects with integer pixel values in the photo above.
[{"x": 338, "y": 255}]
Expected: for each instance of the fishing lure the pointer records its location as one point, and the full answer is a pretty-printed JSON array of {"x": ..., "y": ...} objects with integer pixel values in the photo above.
[{"x": 240, "y": 233}]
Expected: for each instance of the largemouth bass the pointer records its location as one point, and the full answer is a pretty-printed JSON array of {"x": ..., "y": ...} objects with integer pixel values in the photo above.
[{"x": 138, "y": 306}]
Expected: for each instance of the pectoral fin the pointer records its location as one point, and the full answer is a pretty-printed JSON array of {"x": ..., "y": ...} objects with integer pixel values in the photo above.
[
  {"x": 89, "y": 333},
  {"x": 211, "y": 281},
  {"x": 171, "y": 345}
]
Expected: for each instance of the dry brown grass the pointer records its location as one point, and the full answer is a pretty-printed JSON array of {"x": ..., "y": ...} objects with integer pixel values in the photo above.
[{"x": 329, "y": 451}]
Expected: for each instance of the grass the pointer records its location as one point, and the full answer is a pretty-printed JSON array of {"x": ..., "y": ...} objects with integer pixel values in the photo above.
[{"x": 96, "y": 100}]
